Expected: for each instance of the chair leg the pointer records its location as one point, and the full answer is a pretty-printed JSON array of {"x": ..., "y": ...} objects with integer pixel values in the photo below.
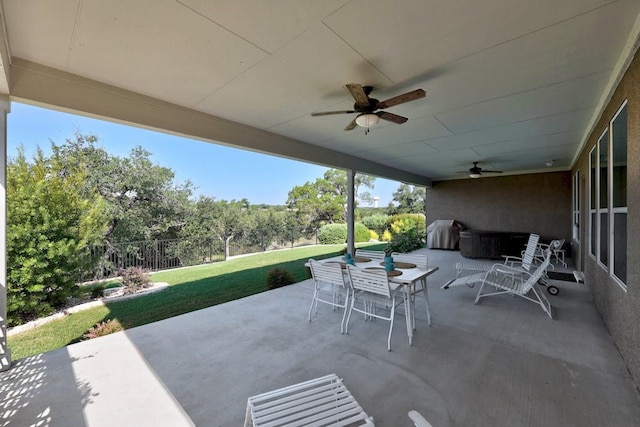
[
  {"x": 313, "y": 301},
  {"x": 393, "y": 311},
  {"x": 346, "y": 325},
  {"x": 346, "y": 307},
  {"x": 479, "y": 293}
]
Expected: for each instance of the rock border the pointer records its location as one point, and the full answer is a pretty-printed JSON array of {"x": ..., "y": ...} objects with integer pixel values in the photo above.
[{"x": 155, "y": 287}]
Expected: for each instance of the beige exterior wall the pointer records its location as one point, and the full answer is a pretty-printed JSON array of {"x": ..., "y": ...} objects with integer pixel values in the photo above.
[
  {"x": 535, "y": 203},
  {"x": 620, "y": 309}
]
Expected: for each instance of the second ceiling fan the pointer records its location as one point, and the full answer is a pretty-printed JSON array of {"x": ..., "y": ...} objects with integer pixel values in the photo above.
[{"x": 368, "y": 107}]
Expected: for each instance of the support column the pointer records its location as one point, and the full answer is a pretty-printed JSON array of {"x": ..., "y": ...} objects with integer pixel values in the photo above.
[
  {"x": 5, "y": 353},
  {"x": 351, "y": 206}
]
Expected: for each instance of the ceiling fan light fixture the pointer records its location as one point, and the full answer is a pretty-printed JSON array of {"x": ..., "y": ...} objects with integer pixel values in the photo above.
[
  {"x": 474, "y": 175},
  {"x": 367, "y": 120}
]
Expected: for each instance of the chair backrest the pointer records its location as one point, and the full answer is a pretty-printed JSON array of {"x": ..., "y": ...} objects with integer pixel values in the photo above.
[
  {"x": 420, "y": 260},
  {"x": 370, "y": 254},
  {"x": 374, "y": 281},
  {"x": 326, "y": 272},
  {"x": 530, "y": 251},
  {"x": 537, "y": 274}
]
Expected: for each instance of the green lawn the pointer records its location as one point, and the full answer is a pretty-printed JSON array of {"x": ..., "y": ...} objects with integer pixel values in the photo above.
[{"x": 190, "y": 289}]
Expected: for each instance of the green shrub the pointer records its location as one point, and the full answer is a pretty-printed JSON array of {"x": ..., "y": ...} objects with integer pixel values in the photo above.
[
  {"x": 332, "y": 234},
  {"x": 403, "y": 222},
  {"x": 407, "y": 241},
  {"x": 98, "y": 291},
  {"x": 377, "y": 223},
  {"x": 336, "y": 234},
  {"x": 103, "y": 328},
  {"x": 134, "y": 279},
  {"x": 278, "y": 277},
  {"x": 362, "y": 233}
]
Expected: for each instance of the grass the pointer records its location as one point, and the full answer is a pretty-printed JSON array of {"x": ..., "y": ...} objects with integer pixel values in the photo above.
[{"x": 190, "y": 289}]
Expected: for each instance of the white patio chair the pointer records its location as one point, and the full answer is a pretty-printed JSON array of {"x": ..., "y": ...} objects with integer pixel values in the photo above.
[
  {"x": 372, "y": 288},
  {"x": 422, "y": 262},
  {"x": 528, "y": 256},
  {"x": 556, "y": 251},
  {"x": 329, "y": 287},
  {"x": 517, "y": 282},
  {"x": 370, "y": 254},
  {"x": 322, "y": 401}
]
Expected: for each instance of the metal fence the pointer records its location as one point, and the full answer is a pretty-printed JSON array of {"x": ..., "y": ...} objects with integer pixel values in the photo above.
[{"x": 107, "y": 260}]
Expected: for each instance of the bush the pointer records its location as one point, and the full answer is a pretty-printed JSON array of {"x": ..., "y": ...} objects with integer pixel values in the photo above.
[
  {"x": 404, "y": 222},
  {"x": 386, "y": 236},
  {"x": 134, "y": 279},
  {"x": 362, "y": 233},
  {"x": 408, "y": 241},
  {"x": 98, "y": 291},
  {"x": 279, "y": 277},
  {"x": 373, "y": 235},
  {"x": 377, "y": 223},
  {"x": 103, "y": 328},
  {"x": 336, "y": 234},
  {"x": 332, "y": 234}
]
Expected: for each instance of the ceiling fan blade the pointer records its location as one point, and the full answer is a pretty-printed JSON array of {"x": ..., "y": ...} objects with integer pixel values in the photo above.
[
  {"x": 391, "y": 117},
  {"x": 401, "y": 99},
  {"x": 351, "y": 125},
  {"x": 486, "y": 171},
  {"x": 328, "y": 113},
  {"x": 358, "y": 94}
]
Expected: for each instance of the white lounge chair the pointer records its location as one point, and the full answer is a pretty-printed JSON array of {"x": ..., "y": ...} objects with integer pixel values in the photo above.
[
  {"x": 372, "y": 288},
  {"x": 525, "y": 262},
  {"x": 517, "y": 282},
  {"x": 418, "y": 419},
  {"x": 324, "y": 401},
  {"x": 329, "y": 287}
]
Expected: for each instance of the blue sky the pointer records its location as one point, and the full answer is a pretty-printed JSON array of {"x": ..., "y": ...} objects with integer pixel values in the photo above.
[{"x": 217, "y": 171}]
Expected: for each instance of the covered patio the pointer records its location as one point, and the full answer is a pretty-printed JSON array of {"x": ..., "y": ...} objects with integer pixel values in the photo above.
[{"x": 500, "y": 363}]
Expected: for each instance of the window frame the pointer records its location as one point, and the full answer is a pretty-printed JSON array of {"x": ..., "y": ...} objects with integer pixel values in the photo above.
[
  {"x": 575, "y": 218},
  {"x": 605, "y": 139},
  {"x": 613, "y": 210}
]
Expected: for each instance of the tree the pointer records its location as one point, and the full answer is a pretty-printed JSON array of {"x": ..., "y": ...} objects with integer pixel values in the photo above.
[
  {"x": 324, "y": 201},
  {"x": 142, "y": 199},
  {"x": 50, "y": 224},
  {"x": 222, "y": 219},
  {"x": 409, "y": 198}
]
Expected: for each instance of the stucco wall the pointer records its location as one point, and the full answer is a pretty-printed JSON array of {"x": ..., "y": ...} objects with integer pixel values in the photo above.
[
  {"x": 536, "y": 203},
  {"x": 620, "y": 309}
]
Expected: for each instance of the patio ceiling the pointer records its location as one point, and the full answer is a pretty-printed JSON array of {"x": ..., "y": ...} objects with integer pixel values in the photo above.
[{"x": 509, "y": 84}]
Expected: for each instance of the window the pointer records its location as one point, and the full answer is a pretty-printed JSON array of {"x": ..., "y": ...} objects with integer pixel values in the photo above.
[
  {"x": 592, "y": 202},
  {"x": 608, "y": 198},
  {"x": 576, "y": 206},
  {"x": 618, "y": 194},
  {"x": 603, "y": 199}
]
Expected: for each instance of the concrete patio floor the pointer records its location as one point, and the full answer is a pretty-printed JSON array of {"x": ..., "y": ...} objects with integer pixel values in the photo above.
[{"x": 500, "y": 363}]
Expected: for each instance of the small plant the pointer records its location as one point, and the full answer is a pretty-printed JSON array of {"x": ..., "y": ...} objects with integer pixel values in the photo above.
[
  {"x": 388, "y": 251},
  {"x": 278, "y": 277},
  {"x": 134, "y": 279},
  {"x": 103, "y": 328},
  {"x": 98, "y": 291}
]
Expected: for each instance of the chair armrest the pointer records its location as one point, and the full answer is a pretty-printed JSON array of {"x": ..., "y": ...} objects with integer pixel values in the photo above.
[
  {"x": 511, "y": 259},
  {"x": 506, "y": 269}
]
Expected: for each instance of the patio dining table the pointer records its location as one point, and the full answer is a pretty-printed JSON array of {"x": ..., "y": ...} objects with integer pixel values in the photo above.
[{"x": 405, "y": 274}]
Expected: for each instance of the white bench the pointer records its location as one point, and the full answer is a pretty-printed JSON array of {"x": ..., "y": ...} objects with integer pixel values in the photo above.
[{"x": 319, "y": 402}]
